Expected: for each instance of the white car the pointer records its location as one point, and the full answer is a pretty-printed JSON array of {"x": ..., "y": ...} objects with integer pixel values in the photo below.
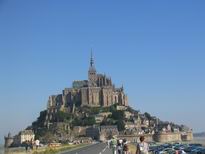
[{"x": 182, "y": 152}]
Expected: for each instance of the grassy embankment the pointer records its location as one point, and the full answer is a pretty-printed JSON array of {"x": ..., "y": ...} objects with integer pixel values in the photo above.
[
  {"x": 59, "y": 149},
  {"x": 47, "y": 150}
]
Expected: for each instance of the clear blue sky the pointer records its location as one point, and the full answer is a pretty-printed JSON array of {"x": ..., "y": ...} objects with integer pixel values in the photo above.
[{"x": 156, "y": 49}]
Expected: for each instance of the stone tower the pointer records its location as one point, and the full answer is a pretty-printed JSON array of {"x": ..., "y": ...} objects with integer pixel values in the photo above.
[
  {"x": 8, "y": 140},
  {"x": 92, "y": 76}
]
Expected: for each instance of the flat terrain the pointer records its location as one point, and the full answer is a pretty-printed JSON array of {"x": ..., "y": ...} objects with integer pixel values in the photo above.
[{"x": 100, "y": 148}]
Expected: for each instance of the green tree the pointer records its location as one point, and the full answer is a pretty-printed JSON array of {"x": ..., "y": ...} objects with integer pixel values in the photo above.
[
  {"x": 95, "y": 110},
  {"x": 120, "y": 125},
  {"x": 63, "y": 116},
  {"x": 89, "y": 121},
  {"x": 77, "y": 122},
  {"x": 113, "y": 108},
  {"x": 117, "y": 115},
  {"x": 149, "y": 117},
  {"x": 105, "y": 109}
]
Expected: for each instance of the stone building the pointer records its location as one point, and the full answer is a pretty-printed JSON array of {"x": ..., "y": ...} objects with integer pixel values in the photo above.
[
  {"x": 106, "y": 132},
  {"x": 102, "y": 133},
  {"x": 26, "y": 135},
  {"x": 17, "y": 140},
  {"x": 8, "y": 140},
  {"x": 97, "y": 91}
]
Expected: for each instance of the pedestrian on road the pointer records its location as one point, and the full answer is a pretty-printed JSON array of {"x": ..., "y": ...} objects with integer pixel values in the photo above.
[
  {"x": 37, "y": 143},
  {"x": 114, "y": 145},
  {"x": 31, "y": 144},
  {"x": 109, "y": 143},
  {"x": 125, "y": 147},
  {"x": 119, "y": 146},
  {"x": 142, "y": 147},
  {"x": 26, "y": 145}
]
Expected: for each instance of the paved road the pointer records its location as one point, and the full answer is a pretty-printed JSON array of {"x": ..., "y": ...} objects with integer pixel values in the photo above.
[{"x": 100, "y": 148}]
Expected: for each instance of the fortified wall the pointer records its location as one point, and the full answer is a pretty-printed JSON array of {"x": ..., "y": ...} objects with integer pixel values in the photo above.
[
  {"x": 187, "y": 136},
  {"x": 167, "y": 137},
  {"x": 161, "y": 137},
  {"x": 173, "y": 136}
]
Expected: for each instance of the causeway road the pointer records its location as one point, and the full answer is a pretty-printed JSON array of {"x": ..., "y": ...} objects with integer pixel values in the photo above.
[{"x": 99, "y": 148}]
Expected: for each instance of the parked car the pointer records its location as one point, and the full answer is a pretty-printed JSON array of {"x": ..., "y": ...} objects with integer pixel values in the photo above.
[
  {"x": 199, "y": 150},
  {"x": 181, "y": 152}
]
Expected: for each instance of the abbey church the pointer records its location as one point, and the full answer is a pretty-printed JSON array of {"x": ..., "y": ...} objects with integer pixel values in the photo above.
[{"x": 97, "y": 91}]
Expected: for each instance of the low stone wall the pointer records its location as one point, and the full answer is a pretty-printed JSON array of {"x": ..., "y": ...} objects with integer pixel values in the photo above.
[{"x": 167, "y": 137}]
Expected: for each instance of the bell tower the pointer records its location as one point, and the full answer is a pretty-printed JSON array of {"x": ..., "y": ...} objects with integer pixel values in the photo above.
[{"x": 92, "y": 76}]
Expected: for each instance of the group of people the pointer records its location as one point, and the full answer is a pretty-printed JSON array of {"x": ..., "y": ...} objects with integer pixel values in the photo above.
[
  {"x": 31, "y": 144},
  {"x": 121, "y": 146},
  {"x": 118, "y": 146}
]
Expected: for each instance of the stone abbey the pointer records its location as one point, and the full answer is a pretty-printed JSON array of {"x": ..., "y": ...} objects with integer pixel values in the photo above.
[{"x": 97, "y": 91}]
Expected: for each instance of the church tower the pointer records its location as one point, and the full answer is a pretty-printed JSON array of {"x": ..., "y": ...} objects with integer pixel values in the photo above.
[{"x": 92, "y": 76}]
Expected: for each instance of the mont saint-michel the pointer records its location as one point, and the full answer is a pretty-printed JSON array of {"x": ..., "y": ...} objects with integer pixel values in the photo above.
[
  {"x": 95, "y": 109},
  {"x": 97, "y": 91}
]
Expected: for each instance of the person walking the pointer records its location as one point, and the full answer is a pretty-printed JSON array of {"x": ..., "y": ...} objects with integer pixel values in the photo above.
[
  {"x": 142, "y": 147},
  {"x": 114, "y": 145},
  {"x": 26, "y": 145},
  {"x": 31, "y": 144},
  {"x": 37, "y": 143},
  {"x": 119, "y": 146},
  {"x": 125, "y": 147}
]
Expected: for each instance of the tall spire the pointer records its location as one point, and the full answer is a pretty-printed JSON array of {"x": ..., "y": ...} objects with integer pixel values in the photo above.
[
  {"x": 91, "y": 59},
  {"x": 92, "y": 76}
]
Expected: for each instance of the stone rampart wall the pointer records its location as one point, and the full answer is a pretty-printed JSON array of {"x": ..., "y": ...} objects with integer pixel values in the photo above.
[
  {"x": 187, "y": 136},
  {"x": 167, "y": 137},
  {"x": 160, "y": 137}
]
